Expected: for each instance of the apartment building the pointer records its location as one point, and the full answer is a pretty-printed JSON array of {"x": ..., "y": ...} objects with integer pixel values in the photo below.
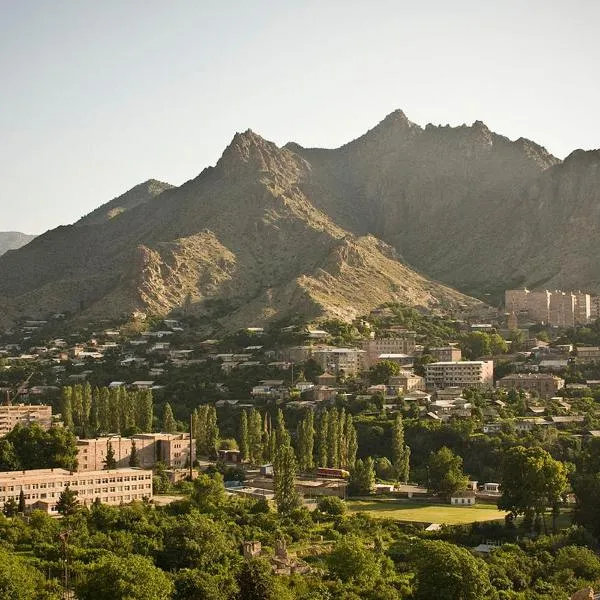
[
  {"x": 585, "y": 353},
  {"x": 446, "y": 354},
  {"x": 402, "y": 342},
  {"x": 474, "y": 373},
  {"x": 557, "y": 308},
  {"x": 24, "y": 414},
  {"x": 407, "y": 381},
  {"x": 349, "y": 361},
  {"x": 172, "y": 449},
  {"x": 544, "y": 384},
  {"x": 42, "y": 487}
]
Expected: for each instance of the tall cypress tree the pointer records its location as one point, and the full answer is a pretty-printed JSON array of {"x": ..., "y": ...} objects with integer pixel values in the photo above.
[
  {"x": 86, "y": 405},
  {"x": 77, "y": 403},
  {"x": 104, "y": 410},
  {"x": 306, "y": 440},
  {"x": 169, "y": 424},
  {"x": 400, "y": 451},
  {"x": 244, "y": 447},
  {"x": 67, "y": 407},
  {"x": 333, "y": 456},
  {"x": 255, "y": 442},
  {"x": 284, "y": 478},
  {"x": 134, "y": 459},
  {"x": 352, "y": 441},
  {"x": 322, "y": 440},
  {"x": 94, "y": 419},
  {"x": 114, "y": 412},
  {"x": 212, "y": 432}
]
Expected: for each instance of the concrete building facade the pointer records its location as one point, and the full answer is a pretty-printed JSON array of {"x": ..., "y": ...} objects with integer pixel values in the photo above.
[
  {"x": 348, "y": 361},
  {"x": 42, "y": 487},
  {"x": 474, "y": 373},
  {"x": 400, "y": 343},
  {"x": 172, "y": 449},
  {"x": 24, "y": 414},
  {"x": 544, "y": 384}
]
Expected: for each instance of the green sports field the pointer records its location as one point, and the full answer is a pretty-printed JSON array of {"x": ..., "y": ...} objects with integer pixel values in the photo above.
[{"x": 426, "y": 513}]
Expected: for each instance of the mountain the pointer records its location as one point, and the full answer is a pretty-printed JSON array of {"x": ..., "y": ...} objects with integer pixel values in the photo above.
[
  {"x": 137, "y": 195},
  {"x": 11, "y": 240},
  {"x": 243, "y": 241},
  {"x": 449, "y": 199}
]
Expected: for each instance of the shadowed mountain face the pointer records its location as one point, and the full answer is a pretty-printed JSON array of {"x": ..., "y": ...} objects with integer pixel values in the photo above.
[
  {"x": 11, "y": 240},
  {"x": 270, "y": 232}
]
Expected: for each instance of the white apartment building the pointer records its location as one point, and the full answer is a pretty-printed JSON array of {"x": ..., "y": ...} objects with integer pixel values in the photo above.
[
  {"x": 42, "y": 487},
  {"x": 473, "y": 373},
  {"x": 557, "y": 308},
  {"x": 25, "y": 414}
]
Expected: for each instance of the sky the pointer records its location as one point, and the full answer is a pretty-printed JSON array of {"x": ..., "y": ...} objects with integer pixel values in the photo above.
[{"x": 97, "y": 97}]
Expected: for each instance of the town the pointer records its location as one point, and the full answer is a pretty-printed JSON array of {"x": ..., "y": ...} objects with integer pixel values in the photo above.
[{"x": 400, "y": 415}]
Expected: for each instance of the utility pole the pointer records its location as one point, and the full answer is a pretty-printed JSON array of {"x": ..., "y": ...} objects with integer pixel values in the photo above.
[{"x": 191, "y": 447}]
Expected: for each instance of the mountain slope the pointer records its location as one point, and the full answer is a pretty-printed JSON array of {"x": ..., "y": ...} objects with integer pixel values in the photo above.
[
  {"x": 436, "y": 194},
  {"x": 11, "y": 240},
  {"x": 139, "y": 194},
  {"x": 242, "y": 241}
]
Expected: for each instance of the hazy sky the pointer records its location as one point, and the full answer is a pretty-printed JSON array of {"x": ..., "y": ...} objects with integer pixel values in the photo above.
[{"x": 97, "y": 96}]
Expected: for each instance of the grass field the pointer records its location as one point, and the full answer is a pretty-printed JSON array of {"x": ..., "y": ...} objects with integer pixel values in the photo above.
[{"x": 426, "y": 513}]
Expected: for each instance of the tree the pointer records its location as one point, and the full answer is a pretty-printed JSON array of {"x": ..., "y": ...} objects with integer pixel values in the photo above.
[
  {"x": 77, "y": 403},
  {"x": 530, "y": 481},
  {"x": 192, "y": 584},
  {"x": 362, "y": 477},
  {"x": 129, "y": 578},
  {"x": 255, "y": 442},
  {"x": 134, "y": 459},
  {"x": 212, "y": 432},
  {"x": 333, "y": 454},
  {"x": 475, "y": 344},
  {"x": 244, "y": 445},
  {"x": 168, "y": 424},
  {"x": 445, "y": 473},
  {"x": 8, "y": 457},
  {"x": 332, "y": 505},
  {"x": 18, "y": 580},
  {"x": 448, "y": 572},
  {"x": 322, "y": 440},
  {"x": 352, "y": 441},
  {"x": 114, "y": 411},
  {"x": 400, "y": 451},
  {"x": 109, "y": 460},
  {"x": 67, "y": 407},
  {"x": 284, "y": 479},
  {"x": 351, "y": 560},
  {"x": 67, "y": 503},
  {"x": 256, "y": 581},
  {"x": 146, "y": 413},
  {"x": 22, "y": 506},
  {"x": 104, "y": 410},
  {"x": 382, "y": 371},
  {"x": 306, "y": 441},
  {"x": 208, "y": 492},
  {"x": 11, "y": 508}
]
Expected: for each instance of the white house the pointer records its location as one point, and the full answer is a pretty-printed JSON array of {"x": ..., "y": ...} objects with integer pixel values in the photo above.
[{"x": 464, "y": 498}]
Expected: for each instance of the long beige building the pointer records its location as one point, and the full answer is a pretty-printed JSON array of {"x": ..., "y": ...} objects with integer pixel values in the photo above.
[
  {"x": 24, "y": 414},
  {"x": 557, "y": 308},
  {"x": 172, "y": 449},
  {"x": 544, "y": 384},
  {"x": 400, "y": 343},
  {"x": 42, "y": 487},
  {"x": 473, "y": 373}
]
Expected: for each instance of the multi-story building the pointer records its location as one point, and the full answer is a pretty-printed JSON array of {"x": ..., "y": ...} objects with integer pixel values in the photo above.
[
  {"x": 588, "y": 353},
  {"x": 583, "y": 308},
  {"x": 402, "y": 342},
  {"x": 348, "y": 361},
  {"x": 562, "y": 309},
  {"x": 474, "y": 373},
  {"x": 544, "y": 384},
  {"x": 24, "y": 414},
  {"x": 407, "y": 381},
  {"x": 172, "y": 449},
  {"x": 446, "y": 354},
  {"x": 557, "y": 308},
  {"x": 42, "y": 487}
]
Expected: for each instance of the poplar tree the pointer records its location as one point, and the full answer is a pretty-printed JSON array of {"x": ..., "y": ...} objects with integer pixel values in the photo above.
[
  {"x": 212, "y": 432},
  {"x": 168, "y": 424},
  {"x": 322, "y": 437},
  {"x": 280, "y": 430},
  {"x": 333, "y": 456},
  {"x": 255, "y": 437},
  {"x": 114, "y": 419},
  {"x": 201, "y": 430},
  {"x": 66, "y": 407},
  {"x": 104, "y": 410},
  {"x": 77, "y": 403},
  {"x": 146, "y": 419},
  {"x": 343, "y": 439},
  {"x": 244, "y": 448},
  {"x": 400, "y": 451},
  {"x": 87, "y": 404},
  {"x": 306, "y": 440},
  {"x": 352, "y": 441},
  {"x": 109, "y": 460},
  {"x": 284, "y": 478},
  {"x": 94, "y": 419}
]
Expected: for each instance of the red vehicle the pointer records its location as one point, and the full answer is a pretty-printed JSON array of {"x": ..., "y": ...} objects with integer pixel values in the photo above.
[{"x": 336, "y": 473}]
